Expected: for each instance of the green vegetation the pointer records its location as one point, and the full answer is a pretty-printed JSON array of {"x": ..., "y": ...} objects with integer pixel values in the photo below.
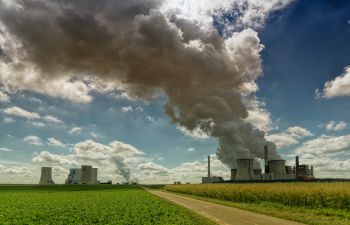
[
  {"x": 310, "y": 203},
  {"x": 89, "y": 205}
]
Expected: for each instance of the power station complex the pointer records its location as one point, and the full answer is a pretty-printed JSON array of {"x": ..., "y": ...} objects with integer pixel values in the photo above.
[
  {"x": 275, "y": 170},
  {"x": 84, "y": 175}
]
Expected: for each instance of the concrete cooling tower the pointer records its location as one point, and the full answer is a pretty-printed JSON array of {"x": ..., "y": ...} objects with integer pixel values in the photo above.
[
  {"x": 86, "y": 175},
  {"x": 233, "y": 174},
  {"x": 46, "y": 176},
  {"x": 94, "y": 176},
  {"x": 277, "y": 167},
  {"x": 244, "y": 169}
]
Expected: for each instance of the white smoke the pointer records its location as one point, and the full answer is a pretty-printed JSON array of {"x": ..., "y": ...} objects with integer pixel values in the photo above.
[
  {"x": 122, "y": 168},
  {"x": 150, "y": 47}
]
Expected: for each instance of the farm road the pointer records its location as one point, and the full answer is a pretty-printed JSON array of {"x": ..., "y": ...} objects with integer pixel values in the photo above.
[{"x": 221, "y": 214}]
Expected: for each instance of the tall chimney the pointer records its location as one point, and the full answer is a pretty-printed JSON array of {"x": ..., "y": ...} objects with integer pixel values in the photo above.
[
  {"x": 296, "y": 167},
  {"x": 266, "y": 159},
  {"x": 312, "y": 170},
  {"x": 208, "y": 165}
]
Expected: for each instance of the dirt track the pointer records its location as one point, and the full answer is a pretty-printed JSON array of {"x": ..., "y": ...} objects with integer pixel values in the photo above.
[{"x": 223, "y": 214}]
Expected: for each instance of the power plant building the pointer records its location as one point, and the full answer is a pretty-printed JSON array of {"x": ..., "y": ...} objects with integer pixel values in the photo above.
[
  {"x": 46, "y": 176},
  {"x": 209, "y": 178},
  {"x": 274, "y": 169},
  {"x": 84, "y": 175},
  {"x": 73, "y": 176}
]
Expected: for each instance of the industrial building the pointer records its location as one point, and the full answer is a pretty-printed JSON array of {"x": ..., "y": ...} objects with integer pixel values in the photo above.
[
  {"x": 46, "y": 176},
  {"x": 84, "y": 175},
  {"x": 275, "y": 170},
  {"x": 209, "y": 178}
]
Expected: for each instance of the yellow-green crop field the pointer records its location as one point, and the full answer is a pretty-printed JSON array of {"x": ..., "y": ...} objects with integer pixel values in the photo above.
[
  {"x": 109, "y": 204},
  {"x": 319, "y": 199}
]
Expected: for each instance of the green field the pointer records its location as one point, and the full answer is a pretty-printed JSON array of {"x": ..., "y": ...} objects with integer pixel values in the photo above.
[
  {"x": 311, "y": 203},
  {"x": 89, "y": 205}
]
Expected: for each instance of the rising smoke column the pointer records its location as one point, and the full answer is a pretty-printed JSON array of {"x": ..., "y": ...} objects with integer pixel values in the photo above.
[
  {"x": 148, "y": 46},
  {"x": 122, "y": 168}
]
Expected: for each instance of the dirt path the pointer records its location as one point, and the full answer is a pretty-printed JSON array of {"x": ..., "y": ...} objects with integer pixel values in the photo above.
[{"x": 223, "y": 214}]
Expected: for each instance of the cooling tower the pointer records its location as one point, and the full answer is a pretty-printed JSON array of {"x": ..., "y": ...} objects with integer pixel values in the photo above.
[
  {"x": 94, "y": 175},
  {"x": 277, "y": 167},
  {"x": 233, "y": 174},
  {"x": 244, "y": 169},
  {"x": 86, "y": 175},
  {"x": 46, "y": 176}
]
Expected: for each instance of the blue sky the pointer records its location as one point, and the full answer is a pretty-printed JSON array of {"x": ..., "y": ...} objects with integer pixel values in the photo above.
[{"x": 306, "y": 44}]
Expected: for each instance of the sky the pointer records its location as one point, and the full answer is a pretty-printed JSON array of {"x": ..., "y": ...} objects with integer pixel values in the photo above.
[{"x": 146, "y": 90}]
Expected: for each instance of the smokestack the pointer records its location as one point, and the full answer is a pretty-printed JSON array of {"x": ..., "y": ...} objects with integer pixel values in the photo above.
[
  {"x": 46, "y": 176},
  {"x": 208, "y": 165},
  {"x": 296, "y": 167},
  {"x": 312, "y": 170},
  {"x": 266, "y": 159}
]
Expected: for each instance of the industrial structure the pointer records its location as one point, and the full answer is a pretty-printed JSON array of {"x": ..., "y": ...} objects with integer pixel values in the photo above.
[
  {"x": 209, "y": 178},
  {"x": 85, "y": 175},
  {"x": 46, "y": 176},
  {"x": 274, "y": 170}
]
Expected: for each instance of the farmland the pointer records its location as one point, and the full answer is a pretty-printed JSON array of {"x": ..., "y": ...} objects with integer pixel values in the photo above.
[
  {"x": 311, "y": 203},
  {"x": 89, "y": 205}
]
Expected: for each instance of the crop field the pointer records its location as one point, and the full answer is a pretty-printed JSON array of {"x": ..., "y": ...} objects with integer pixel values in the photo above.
[
  {"x": 309, "y": 201},
  {"x": 89, "y": 205}
]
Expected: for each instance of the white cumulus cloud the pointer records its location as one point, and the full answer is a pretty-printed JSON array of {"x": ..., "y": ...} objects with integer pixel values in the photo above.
[
  {"x": 289, "y": 137},
  {"x": 334, "y": 126},
  {"x": 54, "y": 142},
  {"x": 19, "y": 112},
  {"x": 338, "y": 87},
  {"x": 34, "y": 140}
]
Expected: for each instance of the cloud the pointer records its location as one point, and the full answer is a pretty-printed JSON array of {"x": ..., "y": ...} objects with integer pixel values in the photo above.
[
  {"x": 196, "y": 133},
  {"x": 36, "y": 124},
  {"x": 4, "y": 97},
  {"x": 150, "y": 119},
  {"x": 52, "y": 119},
  {"x": 34, "y": 140},
  {"x": 6, "y": 149},
  {"x": 19, "y": 112},
  {"x": 75, "y": 130},
  {"x": 191, "y": 149},
  {"x": 289, "y": 137},
  {"x": 9, "y": 120},
  {"x": 334, "y": 126},
  {"x": 325, "y": 144},
  {"x": 151, "y": 168},
  {"x": 338, "y": 87},
  {"x": 54, "y": 142},
  {"x": 258, "y": 115},
  {"x": 126, "y": 109},
  {"x": 47, "y": 158}
]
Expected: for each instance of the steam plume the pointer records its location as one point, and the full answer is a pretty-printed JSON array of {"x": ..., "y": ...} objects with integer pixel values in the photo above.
[
  {"x": 148, "y": 47},
  {"x": 122, "y": 168}
]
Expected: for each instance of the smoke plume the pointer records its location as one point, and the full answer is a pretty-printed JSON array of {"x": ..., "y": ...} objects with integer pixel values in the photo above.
[
  {"x": 148, "y": 46},
  {"x": 122, "y": 168}
]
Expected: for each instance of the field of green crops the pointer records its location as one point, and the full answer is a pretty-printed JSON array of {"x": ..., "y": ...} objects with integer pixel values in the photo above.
[
  {"x": 89, "y": 205},
  {"x": 309, "y": 201}
]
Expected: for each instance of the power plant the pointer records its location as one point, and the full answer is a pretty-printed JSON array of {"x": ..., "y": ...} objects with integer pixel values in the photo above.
[
  {"x": 85, "y": 175},
  {"x": 46, "y": 176},
  {"x": 274, "y": 170}
]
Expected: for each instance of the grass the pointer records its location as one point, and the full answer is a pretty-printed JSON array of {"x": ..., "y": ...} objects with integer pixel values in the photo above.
[
  {"x": 89, "y": 205},
  {"x": 310, "y": 203}
]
